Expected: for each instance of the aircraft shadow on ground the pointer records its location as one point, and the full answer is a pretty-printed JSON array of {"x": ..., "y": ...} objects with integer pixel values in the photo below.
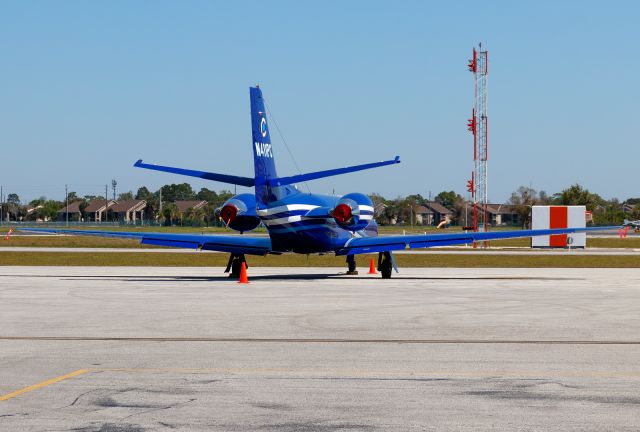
[
  {"x": 292, "y": 277},
  {"x": 285, "y": 277}
]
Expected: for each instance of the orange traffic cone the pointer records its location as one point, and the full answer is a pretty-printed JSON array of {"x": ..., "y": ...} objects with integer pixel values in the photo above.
[
  {"x": 243, "y": 274},
  {"x": 372, "y": 267}
]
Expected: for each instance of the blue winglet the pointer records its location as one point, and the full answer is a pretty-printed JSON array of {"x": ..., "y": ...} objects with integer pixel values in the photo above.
[{"x": 224, "y": 178}]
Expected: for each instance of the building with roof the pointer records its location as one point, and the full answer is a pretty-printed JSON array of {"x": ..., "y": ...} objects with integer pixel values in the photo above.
[
  {"x": 424, "y": 215},
  {"x": 502, "y": 214},
  {"x": 128, "y": 211},
  {"x": 70, "y": 212},
  {"x": 438, "y": 213},
  {"x": 96, "y": 210},
  {"x": 185, "y": 205}
]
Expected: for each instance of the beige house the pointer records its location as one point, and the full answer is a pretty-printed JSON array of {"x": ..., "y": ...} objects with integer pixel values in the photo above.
[
  {"x": 96, "y": 209},
  {"x": 185, "y": 205},
  {"x": 438, "y": 213},
  {"x": 72, "y": 211},
  {"x": 129, "y": 211}
]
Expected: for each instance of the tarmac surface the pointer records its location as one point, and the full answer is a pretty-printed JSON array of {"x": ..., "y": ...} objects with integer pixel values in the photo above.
[
  {"x": 134, "y": 349},
  {"x": 460, "y": 250}
]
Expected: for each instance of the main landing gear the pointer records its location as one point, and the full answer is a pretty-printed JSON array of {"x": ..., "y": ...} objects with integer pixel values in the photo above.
[
  {"x": 235, "y": 264},
  {"x": 385, "y": 264},
  {"x": 351, "y": 263}
]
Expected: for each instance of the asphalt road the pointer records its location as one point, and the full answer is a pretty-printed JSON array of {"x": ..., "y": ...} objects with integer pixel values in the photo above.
[{"x": 132, "y": 349}]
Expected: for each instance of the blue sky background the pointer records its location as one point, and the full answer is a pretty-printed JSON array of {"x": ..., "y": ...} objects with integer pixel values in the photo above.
[{"x": 90, "y": 87}]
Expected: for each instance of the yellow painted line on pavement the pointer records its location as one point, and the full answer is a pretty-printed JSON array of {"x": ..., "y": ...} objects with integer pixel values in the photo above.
[{"x": 43, "y": 384}]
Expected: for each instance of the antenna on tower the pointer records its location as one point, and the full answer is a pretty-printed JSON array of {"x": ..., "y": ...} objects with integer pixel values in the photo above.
[{"x": 478, "y": 126}]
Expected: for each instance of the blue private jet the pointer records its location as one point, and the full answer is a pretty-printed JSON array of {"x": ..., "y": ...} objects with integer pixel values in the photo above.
[{"x": 297, "y": 222}]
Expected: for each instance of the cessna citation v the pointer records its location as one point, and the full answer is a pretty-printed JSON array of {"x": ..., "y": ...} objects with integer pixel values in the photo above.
[{"x": 297, "y": 222}]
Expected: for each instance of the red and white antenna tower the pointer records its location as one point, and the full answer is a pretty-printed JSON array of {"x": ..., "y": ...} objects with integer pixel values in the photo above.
[{"x": 478, "y": 127}]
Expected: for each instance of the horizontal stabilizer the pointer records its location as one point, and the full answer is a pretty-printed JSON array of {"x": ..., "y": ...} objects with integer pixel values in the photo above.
[
  {"x": 281, "y": 181},
  {"x": 223, "y": 178}
]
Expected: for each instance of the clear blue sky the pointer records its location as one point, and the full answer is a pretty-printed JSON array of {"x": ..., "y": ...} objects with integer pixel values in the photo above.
[{"x": 90, "y": 87}]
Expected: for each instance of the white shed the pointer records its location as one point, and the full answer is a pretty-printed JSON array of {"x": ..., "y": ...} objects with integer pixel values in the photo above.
[{"x": 549, "y": 217}]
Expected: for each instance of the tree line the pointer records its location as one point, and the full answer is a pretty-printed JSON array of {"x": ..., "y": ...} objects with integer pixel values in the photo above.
[
  {"x": 604, "y": 211},
  {"x": 44, "y": 208},
  {"x": 387, "y": 211}
]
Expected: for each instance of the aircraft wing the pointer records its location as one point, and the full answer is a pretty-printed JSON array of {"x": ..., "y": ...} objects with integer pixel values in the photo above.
[
  {"x": 221, "y": 243},
  {"x": 360, "y": 245}
]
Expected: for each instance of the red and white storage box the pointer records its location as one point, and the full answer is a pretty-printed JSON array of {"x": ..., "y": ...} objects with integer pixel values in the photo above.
[{"x": 549, "y": 217}]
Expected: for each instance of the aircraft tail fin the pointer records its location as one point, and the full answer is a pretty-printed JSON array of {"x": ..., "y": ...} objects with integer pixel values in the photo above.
[{"x": 263, "y": 160}]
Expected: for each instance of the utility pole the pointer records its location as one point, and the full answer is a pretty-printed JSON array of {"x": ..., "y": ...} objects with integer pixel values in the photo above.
[
  {"x": 66, "y": 194},
  {"x": 106, "y": 203},
  {"x": 160, "y": 206}
]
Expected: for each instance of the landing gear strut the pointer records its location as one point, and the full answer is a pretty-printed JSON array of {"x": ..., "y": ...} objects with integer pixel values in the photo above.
[
  {"x": 385, "y": 264},
  {"x": 235, "y": 264},
  {"x": 351, "y": 263}
]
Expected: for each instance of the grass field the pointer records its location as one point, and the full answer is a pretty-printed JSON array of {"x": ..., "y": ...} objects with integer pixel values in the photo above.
[
  {"x": 100, "y": 242},
  {"x": 205, "y": 259}
]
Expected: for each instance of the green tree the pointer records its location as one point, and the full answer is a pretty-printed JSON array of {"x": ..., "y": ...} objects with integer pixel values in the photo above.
[
  {"x": 152, "y": 200},
  {"x": 577, "y": 195},
  {"x": 38, "y": 201},
  {"x": 13, "y": 199},
  {"x": 223, "y": 196},
  {"x": 175, "y": 192},
  {"x": 379, "y": 207},
  {"x": 448, "y": 199},
  {"x": 125, "y": 196},
  {"x": 609, "y": 213},
  {"x": 408, "y": 207},
  {"x": 522, "y": 200},
  {"x": 207, "y": 195},
  {"x": 144, "y": 194},
  {"x": 198, "y": 217},
  {"x": 49, "y": 210},
  {"x": 170, "y": 213}
]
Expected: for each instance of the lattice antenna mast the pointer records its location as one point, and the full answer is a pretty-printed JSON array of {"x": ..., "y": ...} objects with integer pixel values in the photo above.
[{"x": 478, "y": 125}]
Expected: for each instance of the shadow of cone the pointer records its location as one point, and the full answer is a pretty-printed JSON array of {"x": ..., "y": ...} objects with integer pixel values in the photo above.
[
  {"x": 243, "y": 274},
  {"x": 372, "y": 267}
]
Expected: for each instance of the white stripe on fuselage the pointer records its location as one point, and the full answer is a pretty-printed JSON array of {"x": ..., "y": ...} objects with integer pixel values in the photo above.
[
  {"x": 282, "y": 220},
  {"x": 284, "y": 208}
]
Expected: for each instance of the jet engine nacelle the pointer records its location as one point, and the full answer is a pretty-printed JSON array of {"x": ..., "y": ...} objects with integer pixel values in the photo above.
[
  {"x": 353, "y": 212},
  {"x": 239, "y": 213}
]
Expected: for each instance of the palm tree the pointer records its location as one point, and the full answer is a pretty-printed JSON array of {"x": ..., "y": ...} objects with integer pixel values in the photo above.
[{"x": 170, "y": 211}]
